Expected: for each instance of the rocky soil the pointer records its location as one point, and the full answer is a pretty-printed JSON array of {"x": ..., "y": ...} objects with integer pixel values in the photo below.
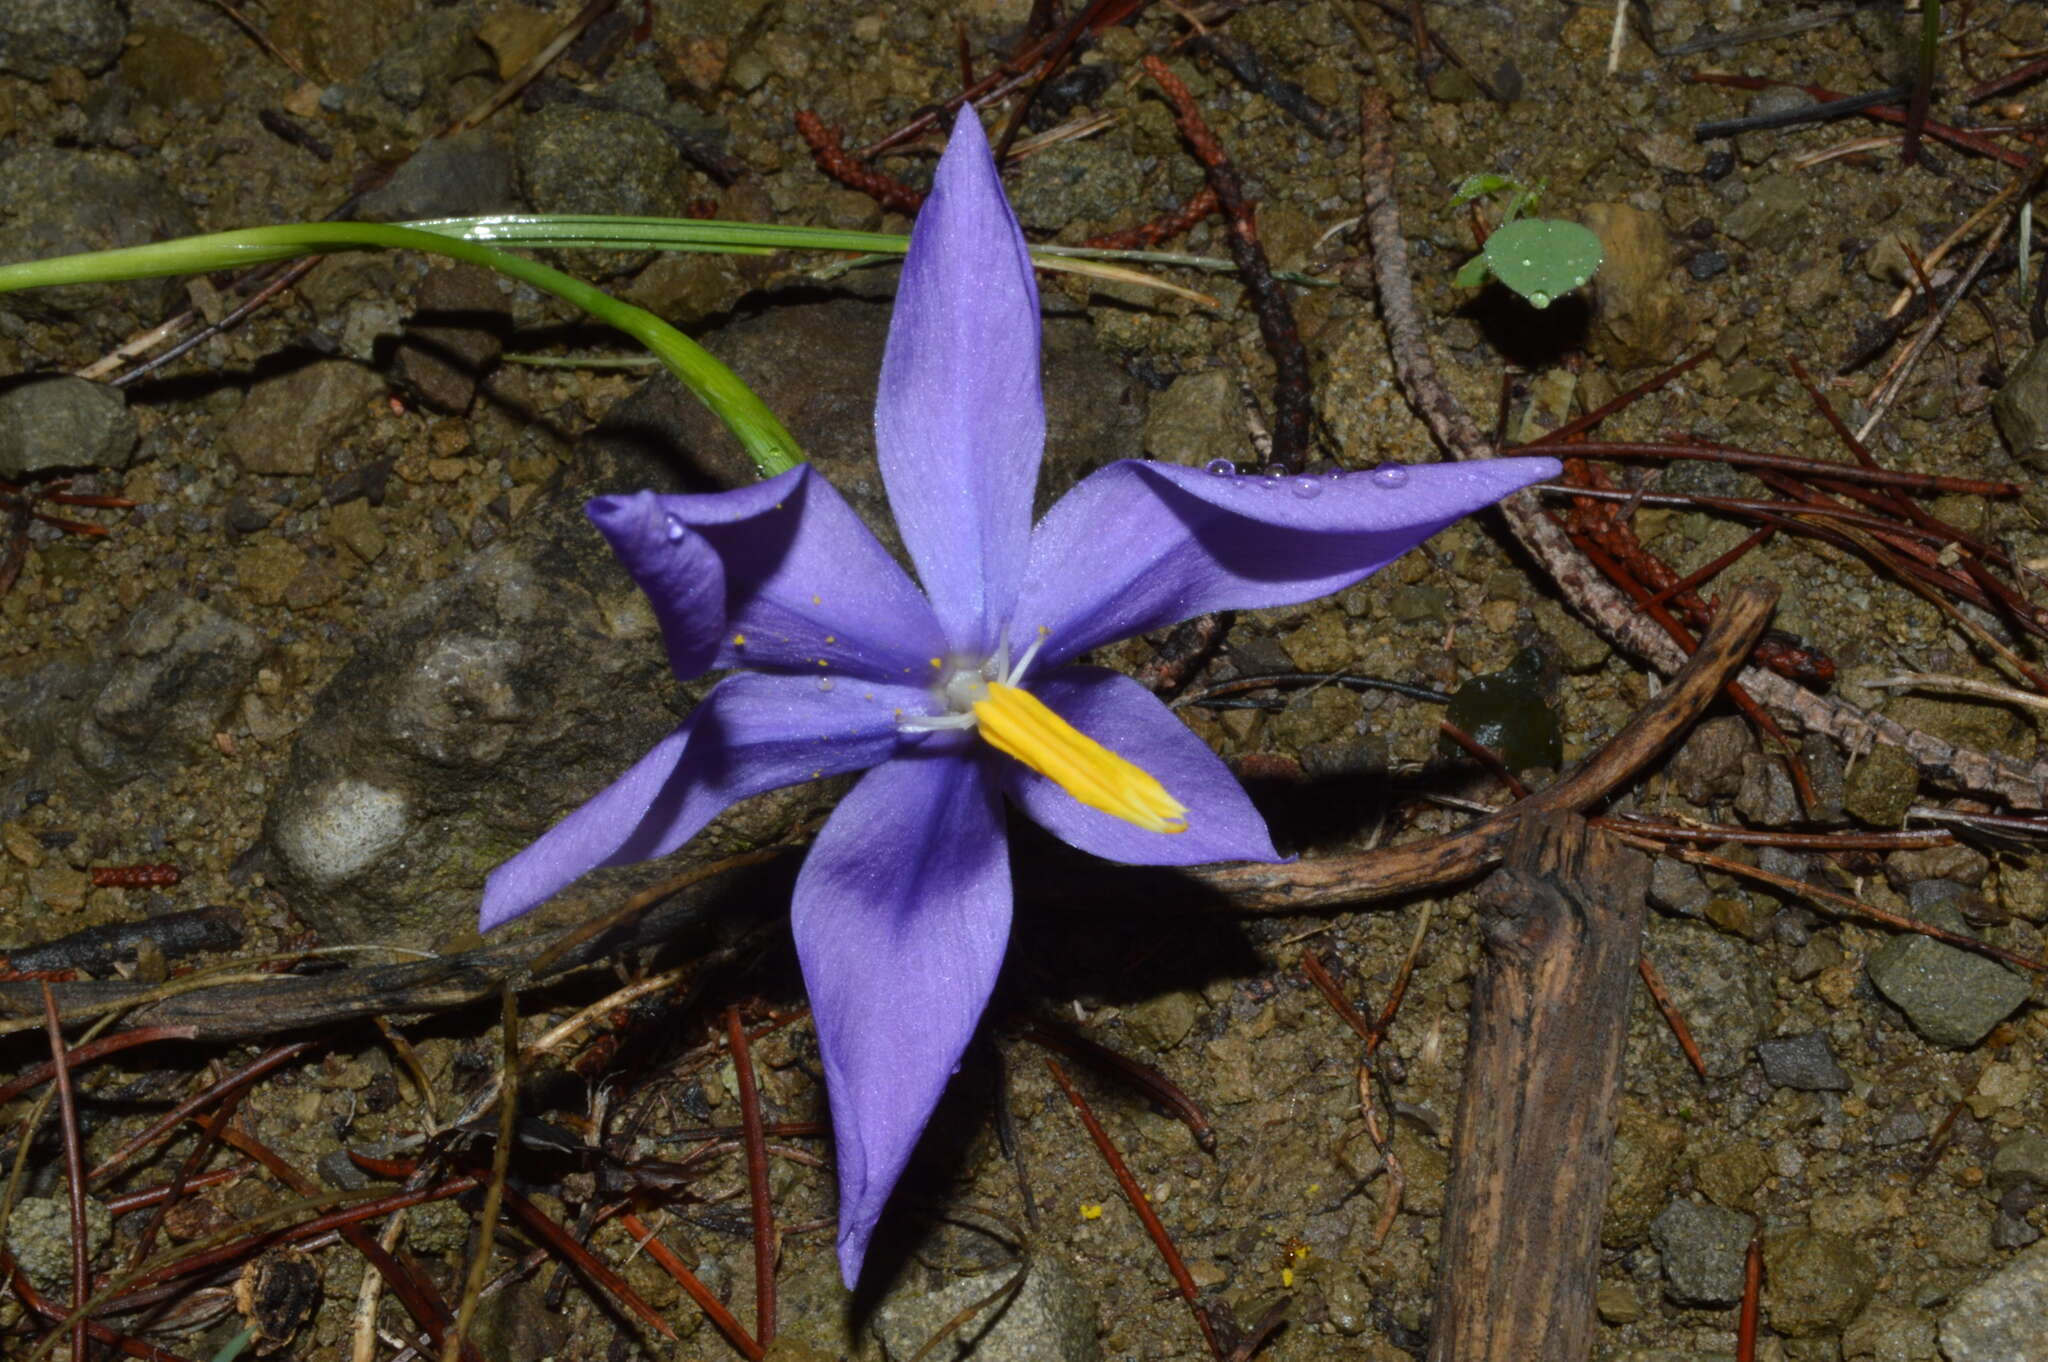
[{"x": 356, "y": 645}]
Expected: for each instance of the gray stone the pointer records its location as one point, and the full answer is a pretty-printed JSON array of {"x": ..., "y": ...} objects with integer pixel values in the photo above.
[
  {"x": 1773, "y": 215},
  {"x": 1779, "y": 99},
  {"x": 2021, "y": 407},
  {"x": 457, "y": 331},
  {"x": 1952, "y": 900},
  {"x": 178, "y": 672},
  {"x": 56, "y": 201},
  {"x": 1965, "y": 865},
  {"x": 39, "y": 36},
  {"x": 1951, "y": 996},
  {"x": 1717, "y": 986},
  {"x": 2012, "y": 1229},
  {"x": 1197, "y": 419},
  {"x": 1890, "y": 1332},
  {"x": 288, "y": 422},
  {"x": 1815, "y": 1281},
  {"x": 1704, "y": 1249},
  {"x": 1708, "y": 765},
  {"x": 49, "y": 424},
  {"x": 576, "y": 158},
  {"x": 1676, "y": 887},
  {"x": 2003, "y": 1318},
  {"x": 1817, "y": 954},
  {"x": 2021, "y": 1159},
  {"x": 1803, "y": 1062},
  {"x": 1766, "y": 797},
  {"x": 1827, "y": 772},
  {"x": 39, "y": 1237},
  {"x": 1050, "y": 1318},
  {"x": 461, "y": 176},
  {"x": 1785, "y": 862},
  {"x": 1901, "y": 1127}
]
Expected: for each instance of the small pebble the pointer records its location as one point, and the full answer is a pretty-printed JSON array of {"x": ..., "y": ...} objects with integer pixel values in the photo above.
[
  {"x": 1802, "y": 1062},
  {"x": 1705, "y": 265}
]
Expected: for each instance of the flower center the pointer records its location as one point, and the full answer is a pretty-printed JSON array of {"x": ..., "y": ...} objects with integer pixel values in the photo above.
[{"x": 1020, "y": 725}]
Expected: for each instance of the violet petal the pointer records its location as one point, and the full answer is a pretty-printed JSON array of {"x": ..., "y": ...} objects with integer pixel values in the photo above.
[
  {"x": 750, "y": 734},
  {"x": 1138, "y": 546},
  {"x": 959, "y": 419},
  {"x": 806, "y": 582},
  {"x": 1129, "y": 720},
  {"x": 676, "y": 569},
  {"x": 901, "y": 915}
]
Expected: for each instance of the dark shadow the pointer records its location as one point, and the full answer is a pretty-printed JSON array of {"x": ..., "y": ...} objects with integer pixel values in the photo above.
[{"x": 1528, "y": 337}]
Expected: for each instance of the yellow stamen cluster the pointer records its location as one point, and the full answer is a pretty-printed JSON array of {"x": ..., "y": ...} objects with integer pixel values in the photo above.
[{"x": 1017, "y": 723}]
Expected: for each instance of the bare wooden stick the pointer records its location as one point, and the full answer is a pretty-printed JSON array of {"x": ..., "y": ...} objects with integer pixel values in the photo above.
[
  {"x": 1562, "y": 923},
  {"x": 2022, "y": 784}
]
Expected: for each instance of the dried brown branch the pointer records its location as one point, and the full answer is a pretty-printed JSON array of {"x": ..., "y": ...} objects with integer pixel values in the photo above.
[{"x": 1291, "y": 402}]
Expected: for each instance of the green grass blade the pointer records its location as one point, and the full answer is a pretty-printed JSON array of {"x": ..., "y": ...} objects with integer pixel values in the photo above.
[{"x": 773, "y": 448}]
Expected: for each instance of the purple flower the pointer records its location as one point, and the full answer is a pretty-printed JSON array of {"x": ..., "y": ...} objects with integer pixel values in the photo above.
[{"x": 954, "y": 697}]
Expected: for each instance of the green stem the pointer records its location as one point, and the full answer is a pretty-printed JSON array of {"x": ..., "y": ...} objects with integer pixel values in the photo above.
[{"x": 773, "y": 448}]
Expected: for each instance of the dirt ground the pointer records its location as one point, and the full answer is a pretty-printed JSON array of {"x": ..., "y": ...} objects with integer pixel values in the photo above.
[{"x": 316, "y": 480}]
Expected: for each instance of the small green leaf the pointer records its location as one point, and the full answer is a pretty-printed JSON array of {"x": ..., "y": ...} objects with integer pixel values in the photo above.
[
  {"x": 1543, "y": 258},
  {"x": 1480, "y": 185},
  {"x": 1473, "y": 273}
]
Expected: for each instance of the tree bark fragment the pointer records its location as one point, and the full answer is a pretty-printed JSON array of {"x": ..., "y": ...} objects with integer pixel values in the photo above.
[{"x": 1562, "y": 924}]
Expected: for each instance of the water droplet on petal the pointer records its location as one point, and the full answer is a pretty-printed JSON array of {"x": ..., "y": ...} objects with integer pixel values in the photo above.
[
  {"x": 1390, "y": 475},
  {"x": 1223, "y": 468},
  {"x": 1274, "y": 470},
  {"x": 824, "y": 683},
  {"x": 1308, "y": 489},
  {"x": 676, "y": 529},
  {"x": 1539, "y": 300}
]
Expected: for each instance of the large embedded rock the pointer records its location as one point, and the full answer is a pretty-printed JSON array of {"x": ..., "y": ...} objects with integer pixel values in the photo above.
[
  {"x": 59, "y": 201},
  {"x": 37, "y": 37}
]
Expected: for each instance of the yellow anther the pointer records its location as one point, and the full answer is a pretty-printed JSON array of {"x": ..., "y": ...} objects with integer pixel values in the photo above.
[
  {"x": 1017, "y": 723},
  {"x": 739, "y": 640}
]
